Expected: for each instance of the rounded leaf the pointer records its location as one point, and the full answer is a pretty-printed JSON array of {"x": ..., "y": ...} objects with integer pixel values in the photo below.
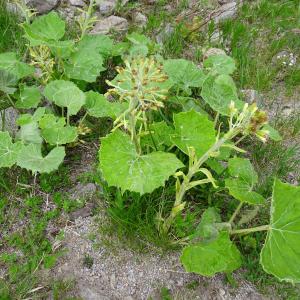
[
  {"x": 207, "y": 259},
  {"x": 193, "y": 129},
  {"x": 30, "y": 158},
  {"x": 123, "y": 167},
  {"x": 280, "y": 255},
  {"x": 65, "y": 94}
]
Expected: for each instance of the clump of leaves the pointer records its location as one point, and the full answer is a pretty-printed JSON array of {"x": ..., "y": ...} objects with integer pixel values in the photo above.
[{"x": 129, "y": 162}]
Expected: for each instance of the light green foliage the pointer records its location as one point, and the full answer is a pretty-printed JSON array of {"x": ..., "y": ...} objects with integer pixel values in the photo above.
[
  {"x": 11, "y": 64},
  {"x": 28, "y": 97},
  {"x": 65, "y": 94},
  {"x": 280, "y": 255},
  {"x": 58, "y": 134},
  {"x": 184, "y": 73},
  {"x": 124, "y": 168},
  {"x": 243, "y": 182},
  {"x": 98, "y": 106},
  {"x": 45, "y": 28},
  {"x": 29, "y": 129},
  {"x": 273, "y": 133},
  {"x": 9, "y": 151},
  {"x": 207, "y": 259},
  {"x": 158, "y": 136},
  {"x": 207, "y": 229},
  {"x": 7, "y": 82},
  {"x": 220, "y": 64},
  {"x": 193, "y": 129},
  {"x": 83, "y": 66},
  {"x": 31, "y": 158},
  {"x": 219, "y": 91},
  {"x": 98, "y": 43}
]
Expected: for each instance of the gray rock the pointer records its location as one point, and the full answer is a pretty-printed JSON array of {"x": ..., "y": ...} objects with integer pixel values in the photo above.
[
  {"x": 79, "y": 3},
  {"x": 225, "y": 12},
  {"x": 83, "y": 191},
  {"x": 106, "y": 7},
  {"x": 252, "y": 96},
  {"x": 83, "y": 212},
  {"x": 42, "y": 6},
  {"x": 140, "y": 19},
  {"x": 166, "y": 32},
  {"x": 11, "y": 116},
  {"x": 15, "y": 9},
  {"x": 216, "y": 36},
  {"x": 213, "y": 51},
  {"x": 104, "y": 26}
]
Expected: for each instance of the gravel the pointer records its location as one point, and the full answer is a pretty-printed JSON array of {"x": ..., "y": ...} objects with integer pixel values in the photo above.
[{"x": 125, "y": 274}]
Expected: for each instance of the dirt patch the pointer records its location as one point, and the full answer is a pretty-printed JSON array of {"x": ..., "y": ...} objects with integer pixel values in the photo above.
[{"x": 125, "y": 274}]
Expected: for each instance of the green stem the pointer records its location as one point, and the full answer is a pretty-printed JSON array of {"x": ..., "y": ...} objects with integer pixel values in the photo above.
[
  {"x": 250, "y": 230},
  {"x": 87, "y": 18},
  {"x": 184, "y": 186},
  {"x": 83, "y": 118},
  {"x": 237, "y": 210},
  {"x": 3, "y": 119},
  {"x": 216, "y": 119},
  {"x": 11, "y": 101},
  {"x": 134, "y": 137}
]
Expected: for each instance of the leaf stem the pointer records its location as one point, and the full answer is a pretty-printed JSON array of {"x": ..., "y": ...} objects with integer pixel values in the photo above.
[
  {"x": 250, "y": 230},
  {"x": 184, "y": 186},
  {"x": 3, "y": 119},
  {"x": 235, "y": 213}
]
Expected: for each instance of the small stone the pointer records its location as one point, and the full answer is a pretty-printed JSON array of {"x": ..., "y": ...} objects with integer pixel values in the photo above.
[
  {"x": 252, "y": 96},
  {"x": 213, "y": 51},
  {"x": 42, "y": 6},
  {"x": 106, "y": 7},
  {"x": 166, "y": 32},
  {"x": 224, "y": 1},
  {"x": 82, "y": 212},
  {"x": 216, "y": 36},
  {"x": 11, "y": 116},
  {"x": 83, "y": 191},
  {"x": 110, "y": 23},
  {"x": 225, "y": 12},
  {"x": 140, "y": 19},
  {"x": 113, "y": 281},
  {"x": 78, "y": 3}
]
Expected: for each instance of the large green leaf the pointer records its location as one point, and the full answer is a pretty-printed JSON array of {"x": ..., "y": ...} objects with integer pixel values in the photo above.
[
  {"x": 193, "y": 129},
  {"x": 243, "y": 182},
  {"x": 30, "y": 133},
  {"x": 31, "y": 158},
  {"x": 60, "y": 135},
  {"x": 45, "y": 28},
  {"x": 123, "y": 167},
  {"x": 55, "y": 132},
  {"x": 219, "y": 91},
  {"x": 29, "y": 128},
  {"x": 84, "y": 65},
  {"x": 98, "y": 106},
  {"x": 280, "y": 255},
  {"x": 184, "y": 73},
  {"x": 221, "y": 64},
  {"x": 8, "y": 82},
  {"x": 98, "y": 43},
  {"x": 207, "y": 259},
  {"x": 29, "y": 97},
  {"x": 158, "y": 136},
  {"x": 9, "y": 151},
  {"x": 65, "y": 94},
  {"x": 10, "y": 63},
  {"x": 208, "y": 227}
]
